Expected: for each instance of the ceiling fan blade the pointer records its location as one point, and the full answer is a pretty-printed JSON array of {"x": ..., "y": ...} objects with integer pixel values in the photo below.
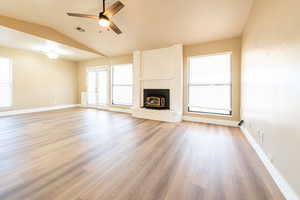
[
  {"x": 83, "y": 15},
  {"x": 115, "y": 28},
  {"x": 114, "y": 9}
]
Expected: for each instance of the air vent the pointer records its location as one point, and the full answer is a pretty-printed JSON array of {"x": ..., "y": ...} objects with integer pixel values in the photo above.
[{"x": 78, "y": 28}]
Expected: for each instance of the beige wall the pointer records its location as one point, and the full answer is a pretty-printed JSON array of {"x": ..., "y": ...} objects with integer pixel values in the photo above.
[
  {"x": 270, "y": 85},
  {"x": 82, "y": 67},
  {"x": 230, "y": 45},
  {"x": 39, "y": 81},
  {"x": 43, "y": 32}
]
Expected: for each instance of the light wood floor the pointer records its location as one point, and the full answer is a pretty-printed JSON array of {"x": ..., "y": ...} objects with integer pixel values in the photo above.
[{"x": 85, "y": 154}]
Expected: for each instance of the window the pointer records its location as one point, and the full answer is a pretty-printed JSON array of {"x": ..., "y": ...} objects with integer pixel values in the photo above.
[
  {"x": 91, "y": 92},
  {"x": 5, "y": 82},
  {"x": 209, "y": 86},
  {"x": 97, "y": 87},
  {"x": 122, "y": 84},
  {"x": 102, "y": 77}
]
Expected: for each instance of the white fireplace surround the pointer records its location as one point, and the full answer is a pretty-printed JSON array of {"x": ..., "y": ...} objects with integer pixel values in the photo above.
[
  {"x": 155, "y": 69},
  {"x": 159, "y": 69}
]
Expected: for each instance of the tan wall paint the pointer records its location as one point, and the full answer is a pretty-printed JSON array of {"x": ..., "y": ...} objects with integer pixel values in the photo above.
[
  {"x": 43, "y": 32},
  {"x": 82, "y": 67},
  {"x": 39, "y": 81},
  {"x": 230, "y": 45},
  {"x": 270, "y": 85}
]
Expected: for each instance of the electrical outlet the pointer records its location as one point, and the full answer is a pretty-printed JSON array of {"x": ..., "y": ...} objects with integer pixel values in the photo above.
[
  {"x": 261, "y": 136},
  {"x": 271, "y": 159},
  {"x": 270, "y": 156}
]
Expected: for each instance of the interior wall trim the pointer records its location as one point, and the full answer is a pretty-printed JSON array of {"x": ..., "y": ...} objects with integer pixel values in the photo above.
[
  {"x": 34, "y": 110},
  {"x": 211, "y": 121},
  {"x": 280, "y": 181}
]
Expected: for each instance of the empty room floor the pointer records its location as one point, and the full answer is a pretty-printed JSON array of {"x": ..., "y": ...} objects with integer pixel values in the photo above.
[{"x": 86, "y": 154}]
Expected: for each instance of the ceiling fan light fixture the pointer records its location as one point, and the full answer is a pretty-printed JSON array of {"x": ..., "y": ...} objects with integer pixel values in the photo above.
[
  {"x": 104, "y": 22},
  {"x": 104, "y": 17}
]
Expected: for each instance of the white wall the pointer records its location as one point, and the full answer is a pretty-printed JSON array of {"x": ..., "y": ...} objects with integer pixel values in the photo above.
[{"x": 270, "y": 83}]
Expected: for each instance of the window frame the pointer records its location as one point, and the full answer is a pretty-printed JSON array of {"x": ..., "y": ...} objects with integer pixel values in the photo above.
[
  {"x": 125, "y": 85},
  {"x": 10, "y": 83},
  {"x": 97, "y": 69},
  {"x": 218, "y": 84}
]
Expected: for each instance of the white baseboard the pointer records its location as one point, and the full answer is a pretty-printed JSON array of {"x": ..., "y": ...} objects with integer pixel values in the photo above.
[
  {"x": 211, "y": 121},
  {"x": 34, "y": 110},
  {"x": 282, "y": 184}
]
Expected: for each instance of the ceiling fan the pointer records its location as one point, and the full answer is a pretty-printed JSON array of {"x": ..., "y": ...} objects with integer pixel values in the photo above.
[{"x": 104, "y": 18}]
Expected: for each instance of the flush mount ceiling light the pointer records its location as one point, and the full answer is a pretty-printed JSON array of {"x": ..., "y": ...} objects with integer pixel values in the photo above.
[
  {"x": 52, "y": 55},
  {"x": 78, "y": 28}
]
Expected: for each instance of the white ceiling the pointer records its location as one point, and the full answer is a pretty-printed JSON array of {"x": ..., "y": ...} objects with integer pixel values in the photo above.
[
  {"x": 146, "y": 24},
  {"x": 20, "y": 40}
]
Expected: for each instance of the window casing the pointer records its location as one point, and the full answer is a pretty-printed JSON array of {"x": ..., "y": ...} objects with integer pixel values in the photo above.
[
  {"x": 122, "y": 84},
  {"x": 5, "y": 82},
  {"x": 97, "y": 86},
  {"x": 210, "y": 84},
  {"x": 110, "y": 85}
]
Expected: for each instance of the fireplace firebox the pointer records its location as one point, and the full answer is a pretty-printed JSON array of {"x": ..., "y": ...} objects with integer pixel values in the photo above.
[{"x": 157, "y": 99}]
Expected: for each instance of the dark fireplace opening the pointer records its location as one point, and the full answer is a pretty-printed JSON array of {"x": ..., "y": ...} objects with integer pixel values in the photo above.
[{"x": 157, "y": 99}]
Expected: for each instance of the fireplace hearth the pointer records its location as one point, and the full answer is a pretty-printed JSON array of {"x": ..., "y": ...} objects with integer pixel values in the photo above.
[{"x": 157, "y": 99}]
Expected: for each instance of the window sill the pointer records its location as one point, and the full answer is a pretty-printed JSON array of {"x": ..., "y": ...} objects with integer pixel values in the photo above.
[{"x": 209, "y": 115}]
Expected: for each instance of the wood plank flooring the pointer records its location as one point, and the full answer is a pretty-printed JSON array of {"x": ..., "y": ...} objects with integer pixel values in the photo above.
[{"x": 87, "y": 154}]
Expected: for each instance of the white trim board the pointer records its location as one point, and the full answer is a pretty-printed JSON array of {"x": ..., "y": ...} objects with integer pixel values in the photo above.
[
  {"x": 34, "y": 110},
  {"x": 282, "y": 184},
  {"x": 211, "y": 121}
]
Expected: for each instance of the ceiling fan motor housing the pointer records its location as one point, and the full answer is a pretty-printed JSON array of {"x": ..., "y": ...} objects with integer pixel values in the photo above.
[{"x": 102, "y": 16}]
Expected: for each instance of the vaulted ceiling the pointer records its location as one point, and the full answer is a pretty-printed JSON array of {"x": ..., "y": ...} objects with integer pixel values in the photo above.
[{"x": 146, "y": 24}]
